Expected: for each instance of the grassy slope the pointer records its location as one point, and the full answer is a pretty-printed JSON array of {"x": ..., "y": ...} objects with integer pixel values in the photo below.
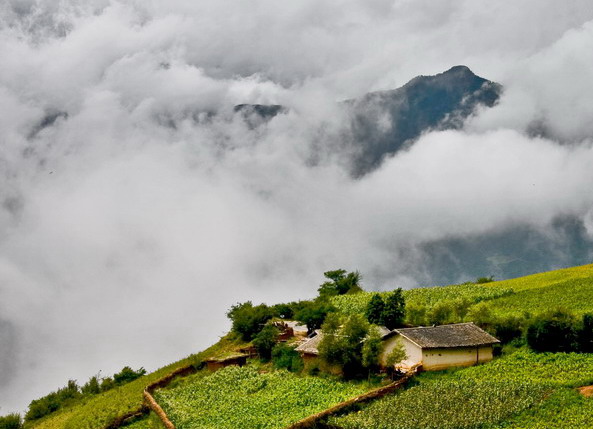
[
  {"x": 570, "y": 288},
  {"x": 98, "y": 411}
]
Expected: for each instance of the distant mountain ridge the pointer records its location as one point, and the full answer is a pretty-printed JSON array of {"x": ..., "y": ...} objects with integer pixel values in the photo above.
[{"x": 383, "y": 122}]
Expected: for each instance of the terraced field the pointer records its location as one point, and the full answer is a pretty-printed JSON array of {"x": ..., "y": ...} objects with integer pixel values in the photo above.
[
  {"x": 244, "y": 398},
  {"x": 520, "y": 390}
]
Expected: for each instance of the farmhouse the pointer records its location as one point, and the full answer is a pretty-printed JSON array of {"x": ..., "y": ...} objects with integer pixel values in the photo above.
[
  {"x": 441, "y": 347},
  {"x": 309, "y": 349}
]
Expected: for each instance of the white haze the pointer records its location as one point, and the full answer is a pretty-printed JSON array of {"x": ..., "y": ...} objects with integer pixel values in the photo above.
[{"x": 123, "y": 239}]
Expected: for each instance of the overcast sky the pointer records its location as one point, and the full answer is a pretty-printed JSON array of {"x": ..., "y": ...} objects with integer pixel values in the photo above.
[{"x": 130, "y": 223}]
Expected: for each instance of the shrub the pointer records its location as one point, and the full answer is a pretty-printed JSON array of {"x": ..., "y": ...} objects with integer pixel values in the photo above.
[
  {"x": 286, "y": 357},
  {"x": 553, "y": 332},
  {"x": 127, "y": 374},
  {"x": 53, "y": 401},
  {"x": 586, "y": 334},
  {"x": 508, "y": 329},
  {"x": 91, "y": 387},
  {"x": 11, "y": 421}
]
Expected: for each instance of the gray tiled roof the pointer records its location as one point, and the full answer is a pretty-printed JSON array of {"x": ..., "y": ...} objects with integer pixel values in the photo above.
[
  {"x": 311, "y": 345},
  {"x": 445, "y": 336}
]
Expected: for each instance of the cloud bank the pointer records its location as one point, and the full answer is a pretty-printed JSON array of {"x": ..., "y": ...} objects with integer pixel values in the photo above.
[{"x": 130, "y": 188}]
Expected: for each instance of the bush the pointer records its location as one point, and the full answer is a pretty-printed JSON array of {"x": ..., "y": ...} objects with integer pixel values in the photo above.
[
  {"x": 286, "y": 357},
  {"x": 508, "y": 329},
  {"x": 553, "y": 332},
  {"x": 482, "y": 280},
  {"x": 53, "y": 401},
  {"x": 586, "y": 334},
  {"x": 91, "y": 387},
  {"x": 11, "y": 421},
  {"x": 127, "y": 375}
]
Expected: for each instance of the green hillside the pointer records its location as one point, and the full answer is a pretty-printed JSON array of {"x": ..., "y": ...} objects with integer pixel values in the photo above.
[{"x": 520, "y": 389}]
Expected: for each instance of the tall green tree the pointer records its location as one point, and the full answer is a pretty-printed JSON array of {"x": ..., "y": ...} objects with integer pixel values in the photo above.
[
  {"x": 340, "y": 283},
  {"x": 395, "y": 309},
  {"x": 343, "y": 341},
  {"x": 374, "y": 310}
]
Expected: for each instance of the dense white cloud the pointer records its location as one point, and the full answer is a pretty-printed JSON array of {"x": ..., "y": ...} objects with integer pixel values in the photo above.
[{"x": 140, "y": 201}]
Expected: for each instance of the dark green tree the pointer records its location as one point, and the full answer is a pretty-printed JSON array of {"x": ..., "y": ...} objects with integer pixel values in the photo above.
[
  {"x": 265, "y": 341},
  {"x": 313, "y": 313},
  {"x": 395, "y": 309},
  {"x": 331, "y": 345},
  {"x": 248, "y": 319},
  {"x": 374, "y": 310},
  {"x": 340, "y": 283},
  {"x": 341, "y": 345}
]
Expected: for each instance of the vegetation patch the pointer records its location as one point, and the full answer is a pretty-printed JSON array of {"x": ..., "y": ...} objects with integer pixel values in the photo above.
[
  {"x": 447, "y": 404},
  {"x": 236, "y": 397}
]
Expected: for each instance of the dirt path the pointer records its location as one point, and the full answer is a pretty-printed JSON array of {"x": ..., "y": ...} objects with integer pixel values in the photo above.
[{"x": 586, "y": 391}]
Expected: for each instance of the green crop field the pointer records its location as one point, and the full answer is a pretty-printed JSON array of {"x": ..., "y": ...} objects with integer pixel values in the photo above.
[
  {"x": 570, "y": 289},
  {"x": 427, "y": 297},
  {"x": 244, "y": 398},
  {"x": 519, "y": 390}
]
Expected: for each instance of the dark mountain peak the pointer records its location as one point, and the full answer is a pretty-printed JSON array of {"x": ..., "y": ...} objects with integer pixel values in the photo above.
[
  {"x": 460, "y": 70},
  {"x": 425, "y": 103}
]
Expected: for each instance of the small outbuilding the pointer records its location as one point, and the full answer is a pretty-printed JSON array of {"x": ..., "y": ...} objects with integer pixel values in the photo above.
[
  {"x": 441, "y": 347},
  {"x": 217, "y": 363}
]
